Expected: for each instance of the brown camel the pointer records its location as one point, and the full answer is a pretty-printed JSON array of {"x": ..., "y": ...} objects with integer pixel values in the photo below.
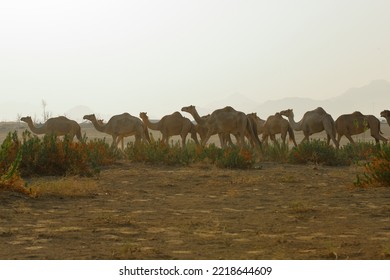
[
  {"x": 277, "y": 124},
  {"x": 59, "y": 126},
  {"x": 169, "y": 125},
  {"x": 313, "y": 122},
  {"x": 356, "y": 123},
  {"x": 386, "y": 114},
  {"x": 120, "y": 126},
  {"x": 202, "y": 130},
  {"x": 223, "y": 122},
  {"x": 259, "y": 122}
]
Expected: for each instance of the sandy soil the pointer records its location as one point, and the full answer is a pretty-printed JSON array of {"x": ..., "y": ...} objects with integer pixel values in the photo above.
[{"x": 137, "y": 211}]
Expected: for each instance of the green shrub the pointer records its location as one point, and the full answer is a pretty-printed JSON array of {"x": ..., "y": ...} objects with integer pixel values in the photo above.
[
  {"x": 359, "y": 151},
  {"x": 317, "y": 151},
  {"x": 236, "y": 157},
  {"x": 10, "y": 159},
  {"x": 52, "y": 156},
  {"x": 158, "y": 152},
  {"x": 377, "y": 171},
  {"x": 277, "y": 151}
]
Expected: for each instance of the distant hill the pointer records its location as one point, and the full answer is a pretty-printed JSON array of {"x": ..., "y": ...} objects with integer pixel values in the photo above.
[{"x": 369, "y": 99}]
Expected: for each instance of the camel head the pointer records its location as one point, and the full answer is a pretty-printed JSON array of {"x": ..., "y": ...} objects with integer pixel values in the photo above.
[
  {"x": 189, "y": 109},
  {"x": 26, "y": 119},
  {"x": 143, "y": 115},
  {"x": 385, "y": 114},
  {"x": 90, "y": 117},
  {"x": 252, "y": 115},
  {"x": 287, "y": 113}
]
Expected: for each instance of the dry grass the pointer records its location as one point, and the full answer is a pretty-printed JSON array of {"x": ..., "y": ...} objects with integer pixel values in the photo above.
[{"x": 63, "y": 187}]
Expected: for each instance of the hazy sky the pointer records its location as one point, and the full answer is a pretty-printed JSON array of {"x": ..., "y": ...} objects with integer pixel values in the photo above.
[{"x": 157, "y": 56}]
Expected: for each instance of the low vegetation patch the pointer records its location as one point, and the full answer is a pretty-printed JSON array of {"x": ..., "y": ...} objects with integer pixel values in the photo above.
[
  {"x": 51, "y": 156},
  {"x": 318, "y": 152},
  {"x": 158, "y": 152},
  {"x": 377, "y": 170}
]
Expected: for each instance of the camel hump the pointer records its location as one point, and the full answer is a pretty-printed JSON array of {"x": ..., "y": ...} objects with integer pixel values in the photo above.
[
  {"x": 357, "y": 113},
  {"x": 59, "y": 118},
  {"x": 228, "y": 109},
  {"x": 321, "y": 110},
  {"x": 177, "y": 114},
  {"x": 125, "y": 115},
  {"x": 278, "y": 115}
]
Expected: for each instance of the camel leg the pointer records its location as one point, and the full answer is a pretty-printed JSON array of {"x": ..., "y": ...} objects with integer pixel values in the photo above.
[
  {"x": 71, "y": 137},
  {"x": 379, "y": 137},
  {"x": 265, "y": 139},
  {"x": 183, "y": 140},
  {"x": 334, "y": 141},
  {"x": 274, "y": 140},
  {"x": 349, "y": 138},
  {"x": 114, "y": 142},
  {"x": 338, "y": 139},
  {"x": 229, "y": 139},
  {"x": 283, "y": 136},
  {"x": 306, "y": 138},
  {"x": 194, "y": 137},
  {"x": 119, "y": 139},
  {"x": 241, "y": 140},
  {"x": 221, "y": 139},
  {"x": 207, "y": 137}
]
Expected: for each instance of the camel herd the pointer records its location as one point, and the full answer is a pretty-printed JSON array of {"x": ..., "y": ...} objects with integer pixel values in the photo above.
[{"x": 224, "y": 123}]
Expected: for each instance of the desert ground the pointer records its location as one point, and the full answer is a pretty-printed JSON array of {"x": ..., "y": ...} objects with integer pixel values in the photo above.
[{"x": 141, "y": 211}]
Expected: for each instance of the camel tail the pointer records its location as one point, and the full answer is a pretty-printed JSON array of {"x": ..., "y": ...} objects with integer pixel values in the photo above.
[
  {"x": 379, "y": 128},
  {"x": 252, "y": 129},
  {"x": 291, "y": 135},
  {"x": 78, "y": 134},
  {"x": 194, "y": 134}
]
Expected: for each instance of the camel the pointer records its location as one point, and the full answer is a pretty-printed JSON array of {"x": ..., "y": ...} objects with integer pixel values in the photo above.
[
  {"x": 202, "y": 131},
  {"x": 59, "y": 126},
  {"x": 277, "y": 124},
  {"x": 313, "y": 122},
  {"x": 223, "y": 122},
  {"x": 169, "y": 125},
  {"x": 386, "y": 114},
  {"x": 120, "y": 126},
  {"x": 356, "y": 123},
  {"x": 259, "y": 122}
]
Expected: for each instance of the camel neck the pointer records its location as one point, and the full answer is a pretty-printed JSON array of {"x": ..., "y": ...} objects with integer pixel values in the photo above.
[
  {"x": 294, "y": 125},
  {"x": 149, "y": 124},
  {"x": 36, "y": 130},
  {"x": 197, "y": 118},
  {"x": 98, "y": 127}
]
